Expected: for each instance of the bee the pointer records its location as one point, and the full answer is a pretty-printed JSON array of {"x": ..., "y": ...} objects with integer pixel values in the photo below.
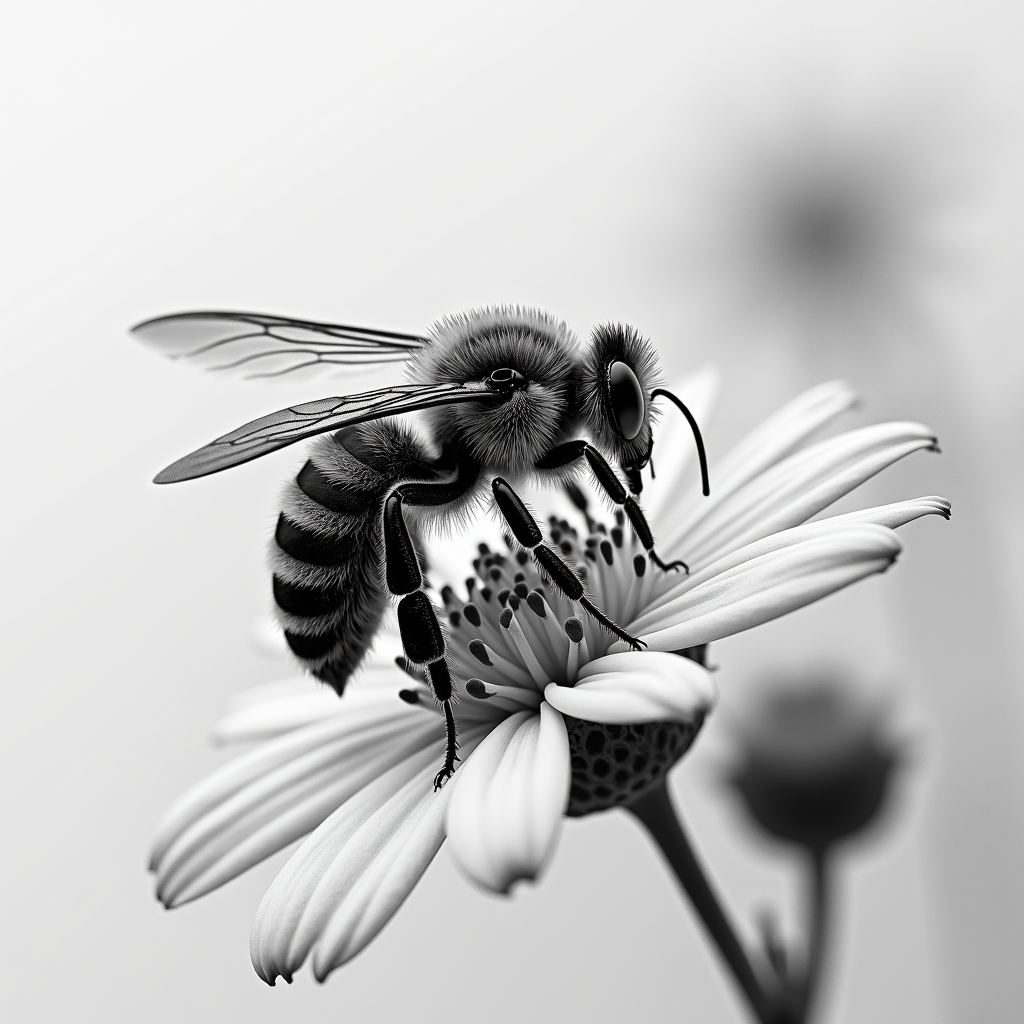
[{"x": 509, "y": 396}]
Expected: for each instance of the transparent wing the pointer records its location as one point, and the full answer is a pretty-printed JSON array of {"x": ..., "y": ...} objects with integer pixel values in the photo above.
[
  {"x": 285, "y": 427},
  {"x": 256, "y": 346}
]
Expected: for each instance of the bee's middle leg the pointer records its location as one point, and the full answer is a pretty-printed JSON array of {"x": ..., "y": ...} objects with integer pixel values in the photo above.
[
  {"x": 525, "y": 529},
  {"x": 570, "y": 452}
]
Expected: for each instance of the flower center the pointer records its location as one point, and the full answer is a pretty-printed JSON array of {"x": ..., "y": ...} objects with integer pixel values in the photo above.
[{"x": 516, "y": 633}]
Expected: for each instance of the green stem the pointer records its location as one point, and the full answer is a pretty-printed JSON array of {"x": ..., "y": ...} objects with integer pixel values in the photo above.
[{"x": 657, "y": 814}]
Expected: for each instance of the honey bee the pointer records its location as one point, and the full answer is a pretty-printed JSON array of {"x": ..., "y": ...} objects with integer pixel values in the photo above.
[{"x": 508, "y": 392}]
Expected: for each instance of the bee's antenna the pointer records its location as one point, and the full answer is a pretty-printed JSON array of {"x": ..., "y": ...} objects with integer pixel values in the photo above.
[{"x": 706, "y": 485}]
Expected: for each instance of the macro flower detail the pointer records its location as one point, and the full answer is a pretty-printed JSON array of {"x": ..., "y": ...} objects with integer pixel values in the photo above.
[{"x": 555, "y": 716}]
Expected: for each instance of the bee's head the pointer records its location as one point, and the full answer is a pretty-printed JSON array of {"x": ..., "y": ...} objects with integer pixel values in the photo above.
[{"x": 620, "y": 370}]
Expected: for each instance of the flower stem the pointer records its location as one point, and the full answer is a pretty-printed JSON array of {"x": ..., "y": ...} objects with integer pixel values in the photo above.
[
  {"x": 820, "y": 893},
  {"x": 658, "y": 815}
]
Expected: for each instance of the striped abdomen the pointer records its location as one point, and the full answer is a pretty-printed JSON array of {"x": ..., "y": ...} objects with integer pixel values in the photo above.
[{"x": 326, "y": 555}]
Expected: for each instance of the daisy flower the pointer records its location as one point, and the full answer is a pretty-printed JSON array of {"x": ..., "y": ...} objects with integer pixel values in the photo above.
[{"x": 554, "y": 718}]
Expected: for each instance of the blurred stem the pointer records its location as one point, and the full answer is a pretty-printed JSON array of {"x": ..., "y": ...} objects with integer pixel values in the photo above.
[
  {"x": 658, "y": 815},
  {"x": 820, "y": 884}
]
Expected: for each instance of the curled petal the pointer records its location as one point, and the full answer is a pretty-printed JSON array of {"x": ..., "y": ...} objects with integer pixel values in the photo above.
[
  {"x": 898, "y": 513},
  {"x": 765, "y": 586},
  {"x": 802, "y": 485},
  {"x": 891, "y": 516},
  {"x": 509, "y": 800},
  {"x": 272, "y": 795},
  {"x": 633, "y": 687}
]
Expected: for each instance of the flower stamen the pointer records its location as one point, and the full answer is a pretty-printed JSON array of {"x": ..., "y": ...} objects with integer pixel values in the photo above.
[
  {"x": 509, "y": 622},
  {"x": 547, "y": 627},
  {"x": 488, "y": 656},
  {"x": 411, "y": 670},
  {"x": 519, "y": 696},
  {"x": 578, "y": 654}
]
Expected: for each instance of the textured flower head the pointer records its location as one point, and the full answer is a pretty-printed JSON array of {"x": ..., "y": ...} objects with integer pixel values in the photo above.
[{"x": 554, "y": 718}]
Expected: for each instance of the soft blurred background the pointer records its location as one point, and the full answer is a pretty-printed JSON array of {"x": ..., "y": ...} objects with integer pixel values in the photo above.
[{"x": 790, "y": 190}]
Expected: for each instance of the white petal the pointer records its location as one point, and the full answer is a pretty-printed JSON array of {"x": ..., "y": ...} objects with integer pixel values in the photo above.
[
  {"x": 270, "y": 796},
  {"x": 769, "y": 585},
  {"x": 398, "y": 860},
  {"x": 509, "y": 799},
  {"x": 359, "y": 711},
  {"x": 668, "y": 604},
  {"x": 773, "y": 440},
  {"x": 801, "y": 486},
  {"x": 255, "y": 717},
  {"x": 634, "y": 687},
  {"x": 898, "y": 513},
  {"x": 313, "y": 888},
  {"x": 292, "y": 686},
  {"x": 262, "y": 712}
]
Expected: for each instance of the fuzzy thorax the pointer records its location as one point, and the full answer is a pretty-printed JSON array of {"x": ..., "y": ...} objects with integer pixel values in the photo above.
[{"x": 511, "y": 435}]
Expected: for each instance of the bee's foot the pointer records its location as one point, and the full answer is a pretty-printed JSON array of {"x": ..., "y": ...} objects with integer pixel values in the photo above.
[
  {"x": 443, "y": 776},
  {"x": 665, "y": 567},
  {"x": 637, "y": 645}
]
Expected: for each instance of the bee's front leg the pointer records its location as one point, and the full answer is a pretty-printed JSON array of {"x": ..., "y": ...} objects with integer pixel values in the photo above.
[
  {"x": 525, "y": 529},
  {"x": 570, "y": 452}
]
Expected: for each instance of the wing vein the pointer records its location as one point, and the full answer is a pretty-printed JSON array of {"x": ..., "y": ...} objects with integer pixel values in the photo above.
[{"x": 300, "y": 345}]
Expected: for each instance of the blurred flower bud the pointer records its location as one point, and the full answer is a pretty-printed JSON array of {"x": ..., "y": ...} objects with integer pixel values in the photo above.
[{"x": 815, "y": 763}]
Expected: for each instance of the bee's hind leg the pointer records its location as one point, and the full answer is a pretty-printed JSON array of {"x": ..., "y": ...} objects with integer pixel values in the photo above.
[
  {"x": 525, "y": 529},
  {"x": 422, "y": 638},
  {"x": 570, "y": 452}
]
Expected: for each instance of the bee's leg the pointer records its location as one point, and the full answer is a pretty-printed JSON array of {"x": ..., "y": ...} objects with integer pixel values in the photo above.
[
  {"x": 579, "y": 499},
  {"x": 422, "y": 638},
  {"x": 570, "y": 452},
  {"x": 525, "y": 529}
]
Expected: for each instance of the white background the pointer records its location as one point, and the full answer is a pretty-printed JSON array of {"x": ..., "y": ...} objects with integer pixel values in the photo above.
[{"x": 385, "y": 164}]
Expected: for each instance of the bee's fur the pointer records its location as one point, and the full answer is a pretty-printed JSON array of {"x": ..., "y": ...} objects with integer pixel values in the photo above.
[
  {"x": 468, "y": 347},
  {"x": 362, "y": 464},
  {"x": 331, "y": 612}
]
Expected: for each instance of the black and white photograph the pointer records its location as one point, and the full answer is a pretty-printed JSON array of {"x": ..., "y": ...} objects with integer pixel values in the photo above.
[{"x": 514, "y": 512}]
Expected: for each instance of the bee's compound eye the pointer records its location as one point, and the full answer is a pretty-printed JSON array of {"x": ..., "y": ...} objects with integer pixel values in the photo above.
[{"x": 627, "y": 399}]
